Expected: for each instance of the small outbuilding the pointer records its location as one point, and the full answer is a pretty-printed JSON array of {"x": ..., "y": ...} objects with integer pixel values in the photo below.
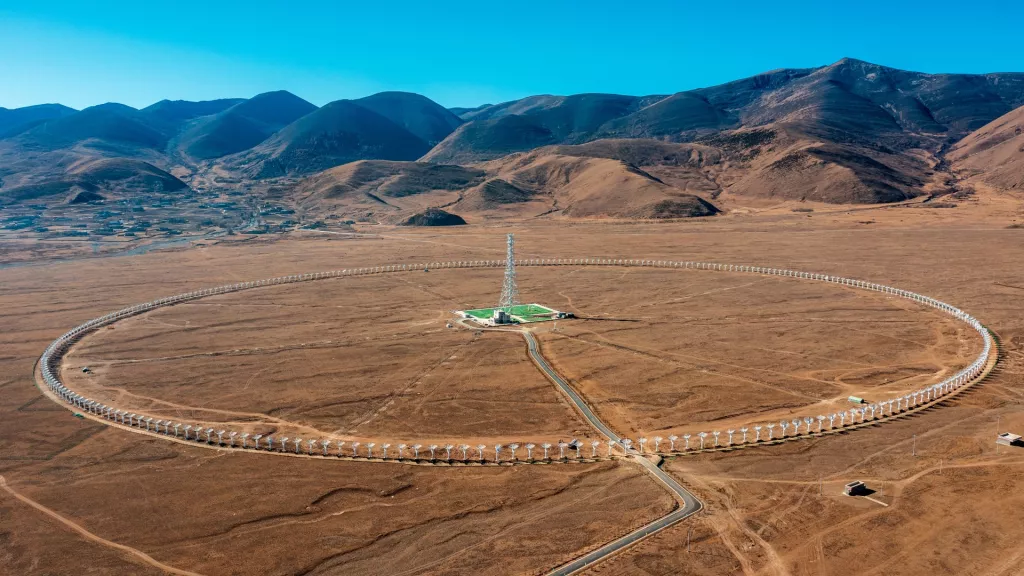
[
  {"x": 855, "y": 488},
  {"x": 1008, "y": 439}
]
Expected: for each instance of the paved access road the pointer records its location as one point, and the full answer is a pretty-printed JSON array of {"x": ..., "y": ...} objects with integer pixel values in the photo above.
[{"x": 689, "y": 504}]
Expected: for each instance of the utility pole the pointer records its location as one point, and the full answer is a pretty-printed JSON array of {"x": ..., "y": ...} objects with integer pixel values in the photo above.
[
  {"x": 913, "y": 451},
  {"x": 688, "y": 534},
  {"x": 997, "y": 431}
]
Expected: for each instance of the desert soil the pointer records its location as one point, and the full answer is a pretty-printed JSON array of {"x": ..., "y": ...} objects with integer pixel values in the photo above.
[{"x": 82, "y": 497}]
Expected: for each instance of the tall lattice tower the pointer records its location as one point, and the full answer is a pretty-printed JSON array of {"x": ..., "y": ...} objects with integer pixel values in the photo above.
[{"x": 509, "y": 290}]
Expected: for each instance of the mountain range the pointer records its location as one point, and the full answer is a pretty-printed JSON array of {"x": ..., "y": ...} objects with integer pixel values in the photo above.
[{"x": 850, "y": 132}]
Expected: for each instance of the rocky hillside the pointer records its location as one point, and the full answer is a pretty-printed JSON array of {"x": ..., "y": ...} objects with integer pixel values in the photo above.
[
  {"x": 994, "y": 154},
  {"x": 543, "y": 182},
  {"x": 849, "y": 101},
  {"x": 847, "y": 133},
  {"x": 97, "y": 180}
]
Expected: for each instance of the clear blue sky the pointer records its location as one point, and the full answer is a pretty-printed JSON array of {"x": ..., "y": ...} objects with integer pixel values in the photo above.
[{"x": 468, "y": 53}]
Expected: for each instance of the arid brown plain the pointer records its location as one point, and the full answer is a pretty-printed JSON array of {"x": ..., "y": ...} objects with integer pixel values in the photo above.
[{"x": 646, "y": 350}]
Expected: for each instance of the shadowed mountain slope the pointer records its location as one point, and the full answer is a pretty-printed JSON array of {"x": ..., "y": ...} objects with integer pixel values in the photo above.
[
  {"x": 849, "y": 132},
  {"x": 464, "y": 112},
  {"x": 340, "y": 132},
  {"x": 517, "y": 186},
  {"x": 578, "y": 186},
  {"x": 17, "y": 120},
  {"x": 994, "y": 153},
  {"x": 849, "y": 101},
  {"x": 420, "y": 115},
  {"x": 103, "y": 126},
  {"x": 388, "y": 179},
  {"x": 97, "y": 180},
  {"x": 531, "y": 122},
  {"x": 434, "y": 217},
  {"x": 243, "y": 125},
  {"x": 175, "y": 112}
]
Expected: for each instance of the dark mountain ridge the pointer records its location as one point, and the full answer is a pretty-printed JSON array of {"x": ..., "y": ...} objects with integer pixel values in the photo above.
[
  {"x": 849, "y": 132},
  {"x": 339, "y": 132},
  {"x": 175, "y": 112},
  {"x": 242, "y": 125},
  {"x": 420, "y": 115},
  {"x": 17, "y": 120},
  {"x": 849, "y": 100},
  {"x": 106, "y": 123}
]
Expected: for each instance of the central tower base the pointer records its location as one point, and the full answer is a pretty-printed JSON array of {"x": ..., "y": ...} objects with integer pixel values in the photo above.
[{"x": 518, "y": 314}]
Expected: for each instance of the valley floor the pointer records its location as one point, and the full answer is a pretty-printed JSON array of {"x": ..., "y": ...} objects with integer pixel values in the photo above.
[{"x": 78, "y": 497}]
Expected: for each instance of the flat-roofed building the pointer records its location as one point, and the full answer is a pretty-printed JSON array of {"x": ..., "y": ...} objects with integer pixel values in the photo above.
[
  {"x": 1008, "y": 439},
  {"x": 854, "y": 488}
]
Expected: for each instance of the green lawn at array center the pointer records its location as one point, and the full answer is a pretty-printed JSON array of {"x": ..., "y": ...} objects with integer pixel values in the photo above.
[{"x": 522, "y": 312}]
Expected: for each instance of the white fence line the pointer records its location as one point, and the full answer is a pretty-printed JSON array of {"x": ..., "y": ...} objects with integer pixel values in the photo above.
[{"x": 464, "y": 453}]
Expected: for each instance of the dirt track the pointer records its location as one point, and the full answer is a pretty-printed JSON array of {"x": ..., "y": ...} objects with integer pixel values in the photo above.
[{"x": 92, "y": 537}]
